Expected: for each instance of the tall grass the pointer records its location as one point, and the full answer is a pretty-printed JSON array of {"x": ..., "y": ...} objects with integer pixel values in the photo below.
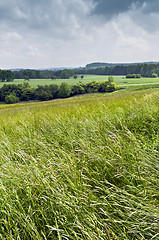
[{"x": 81, "y": 168}]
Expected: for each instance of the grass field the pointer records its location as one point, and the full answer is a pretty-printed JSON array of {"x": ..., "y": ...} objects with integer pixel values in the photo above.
[
  {"x": 83, "y": 168},
  {"x": 121, "y": 81}
]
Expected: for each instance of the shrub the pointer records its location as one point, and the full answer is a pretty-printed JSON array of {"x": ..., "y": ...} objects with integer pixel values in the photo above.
[
  {"x": 92, "y": 87},
  {"x": 138, "y": 75},
  {"x": 78, "y": 89},
  {"x": 12, "y": 98},
  {"x": 154, "y": 75},
  {"x": 107, "y": 87},
  {"x": 75, "y": 76},
  {"x": 133, "y": 76},
  {"x": 27, "y": 94},
  {"x": 64, "y": 90},
  {"x": 110, "y": 79}
]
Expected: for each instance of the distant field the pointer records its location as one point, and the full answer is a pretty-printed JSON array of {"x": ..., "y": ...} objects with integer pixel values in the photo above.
[{"x": 121, "y": 81}]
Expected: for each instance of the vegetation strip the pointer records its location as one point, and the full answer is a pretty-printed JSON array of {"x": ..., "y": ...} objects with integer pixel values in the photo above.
[{"x": 13, "y": 93}]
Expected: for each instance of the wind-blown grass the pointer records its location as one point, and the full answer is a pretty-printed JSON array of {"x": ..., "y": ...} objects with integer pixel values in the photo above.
[{"x": 81, "y": 168}]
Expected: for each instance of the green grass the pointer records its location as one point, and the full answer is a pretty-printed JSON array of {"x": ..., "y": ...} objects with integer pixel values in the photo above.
[
  {"x": 81, "y": 168},
  {"x": 121, "y": 81}
]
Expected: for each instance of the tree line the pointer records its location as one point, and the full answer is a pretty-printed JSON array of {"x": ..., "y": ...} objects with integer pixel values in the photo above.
[
  {"x": 43, "y": 74},
  {"x": 145, "y": 70},
  {"x": 6, "y": 76},
  {"x": 9, "y": 76},
  {"x": 12, "y": 93}
]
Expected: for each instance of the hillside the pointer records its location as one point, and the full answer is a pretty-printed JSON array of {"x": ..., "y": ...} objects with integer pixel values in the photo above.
[
  {"x": 81, "y": 168},
  {"x": 102, "y": 64}
]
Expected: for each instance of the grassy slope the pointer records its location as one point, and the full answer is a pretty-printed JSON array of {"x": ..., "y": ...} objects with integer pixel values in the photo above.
[
  {"x": 80, "y": 168},
  {"x": 119, "y": 80}
]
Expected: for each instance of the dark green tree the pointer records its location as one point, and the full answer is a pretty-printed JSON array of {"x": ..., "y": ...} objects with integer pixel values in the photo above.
[
  {"x": 78, "y": 88},
  {"x": 75, "y": 76},
  {"x": 154, "y": 75},
  {"x": 110, "y": 79},
  {"x": 53, "y": 77},
  {"x": 6, "y": 75},
  {"x": 64, "y": 90},
  {"x": 12, "y": 98},
  {"x": 26, "y": 78}
]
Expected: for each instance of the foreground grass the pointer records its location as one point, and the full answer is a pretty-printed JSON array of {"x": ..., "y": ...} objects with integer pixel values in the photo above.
[{"x": 81, "y": 168}]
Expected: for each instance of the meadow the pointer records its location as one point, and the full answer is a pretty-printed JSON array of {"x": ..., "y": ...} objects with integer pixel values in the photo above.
[
  {"x": 85, "y": 167},
  {"x": 121, "y": 81}
]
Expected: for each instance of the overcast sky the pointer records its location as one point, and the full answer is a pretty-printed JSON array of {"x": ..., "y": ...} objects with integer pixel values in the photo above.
[{"x": 72, "y": 33}]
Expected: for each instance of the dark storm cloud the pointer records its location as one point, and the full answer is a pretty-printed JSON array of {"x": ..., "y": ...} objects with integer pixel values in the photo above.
[
  {"x": 144, "y": 13},
  {"x": 111, "y": 8},
  {"x": 151, "y": 7}
]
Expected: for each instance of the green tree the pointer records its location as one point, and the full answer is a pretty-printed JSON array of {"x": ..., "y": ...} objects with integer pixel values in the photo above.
[
  {"x": 75, "y": 76},
  {"x": 107, "y": 87},
  {"x": 92, "y": 87},
  {"x": 2, "y": 77},
  {"x": 42, "y": 93},
  {"x": 131, "y": 76},
  {"x": 110, "y": 79},
  {"x": 53, "y": 77},
  {"x": 9, "y": 76},
  {"x": 6, "y": 75},
  {"x": 138, "y": 75},
  {"x": 64, "y": 90},
  {"x": 12, "y": 98},
  {"x": 154, "y": 75},
  {"x": 78, "y": 89},
  {"x": 26, "y": 78}
]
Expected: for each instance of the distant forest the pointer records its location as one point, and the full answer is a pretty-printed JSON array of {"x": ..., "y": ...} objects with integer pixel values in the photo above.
[
  {"x": 102, "y": 64},
  {"x": 145, "y": 70}
]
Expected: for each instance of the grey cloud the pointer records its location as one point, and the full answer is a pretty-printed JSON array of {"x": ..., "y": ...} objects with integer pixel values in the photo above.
[
  {"x": 150, "y": 7},
  {"x": 147, "y": 16},
  {"x": 57, "y": 17},
  {"x": 110, "y": 8},
  {"x": 144, "y": 13}
]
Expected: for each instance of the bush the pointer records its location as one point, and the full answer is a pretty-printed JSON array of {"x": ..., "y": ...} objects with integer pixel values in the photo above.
[
  {"x": 107, "y": 87},
  {"x": 92, "y": 87},
  {"x": 133, "y": 76},
  {"x": 154, "y": 75},
  {"x": 75, "y": 76},
  {"x": 138, "y": 75},
  {"x": 46, "y": 92},
  {"x": 12, "y": 98},
  {"x": 64, "y": 90},
  {"x": 110, "y": 79},
  {"x": 78, "y": 89},
  {"x": 27, "y": 94}
]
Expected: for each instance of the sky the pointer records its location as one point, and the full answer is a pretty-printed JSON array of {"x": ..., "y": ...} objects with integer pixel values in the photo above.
[{"x": 71, "y": 33}]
